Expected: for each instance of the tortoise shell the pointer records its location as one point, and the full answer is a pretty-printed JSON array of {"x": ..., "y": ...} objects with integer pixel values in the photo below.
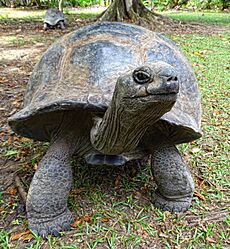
[
  {"x": 53, "y": 16},
  {"x": 80, "y": 70}
]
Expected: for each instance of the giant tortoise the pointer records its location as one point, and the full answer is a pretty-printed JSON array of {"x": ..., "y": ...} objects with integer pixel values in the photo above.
[
  {"x": 111, "y": 93},
  {"x": 54, "y": 18}
]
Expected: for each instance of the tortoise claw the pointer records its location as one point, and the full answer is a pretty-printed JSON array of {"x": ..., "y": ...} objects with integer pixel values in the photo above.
[
  {"x": 44, "y": 234},
  {"x": 66, "y": 227},
  {"x": 54, "y": 227},
  {"x": 55, "y": 232}
]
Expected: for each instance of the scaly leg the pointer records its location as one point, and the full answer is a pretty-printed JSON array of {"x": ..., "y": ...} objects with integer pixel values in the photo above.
[
  {"x": 47, "y": 198},
  {"x": 45, "y": 26},
  {"x": 62, "y": 26},
  {"x": 46, "y": 205},
  {"x": 174, "y": 181}
]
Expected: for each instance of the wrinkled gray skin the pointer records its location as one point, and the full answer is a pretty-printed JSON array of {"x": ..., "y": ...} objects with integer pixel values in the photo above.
[
  {"x": 110, "y": 93},
  {"x": 54, "y": 18}
]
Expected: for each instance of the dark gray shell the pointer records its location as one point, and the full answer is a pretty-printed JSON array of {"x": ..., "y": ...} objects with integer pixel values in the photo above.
[
  {"x": 81, "y": 69},
  {"x": 53, "y": 16}
]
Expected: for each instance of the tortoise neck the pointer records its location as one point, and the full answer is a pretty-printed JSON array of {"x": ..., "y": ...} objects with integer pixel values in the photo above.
[{"x": 120, "y": 130}]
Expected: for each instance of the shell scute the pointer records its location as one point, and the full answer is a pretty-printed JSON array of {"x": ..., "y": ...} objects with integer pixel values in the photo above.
[
  {"x": 80, "y": 71},
  {"x": 53, "y": 16}
]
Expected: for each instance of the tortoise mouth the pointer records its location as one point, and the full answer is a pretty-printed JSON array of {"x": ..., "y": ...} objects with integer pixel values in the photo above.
[{"x": 158, "y": 97}]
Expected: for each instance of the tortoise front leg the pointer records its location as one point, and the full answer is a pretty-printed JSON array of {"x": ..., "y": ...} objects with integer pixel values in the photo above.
[
  {"x": 61, "y": 24},
  {"x": 47, "y": 198},
  {"x": 45, "y": 26},
  {"x": 174, "y": 181}
]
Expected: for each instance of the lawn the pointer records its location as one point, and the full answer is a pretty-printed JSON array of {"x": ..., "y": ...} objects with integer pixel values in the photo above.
[
  {"x": 218, "y": 18},
  {"x": 113, "y": 208}
]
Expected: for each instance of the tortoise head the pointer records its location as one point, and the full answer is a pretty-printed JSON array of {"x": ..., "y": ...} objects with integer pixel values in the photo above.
[
  {"x": 141, "y": 97},
  {"x": 146, "y": 87}
]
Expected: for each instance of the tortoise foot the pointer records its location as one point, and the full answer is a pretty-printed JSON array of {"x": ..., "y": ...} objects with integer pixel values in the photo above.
[
  {"x": 171, "y": 205},
  {"x": 51, "y": 225}
]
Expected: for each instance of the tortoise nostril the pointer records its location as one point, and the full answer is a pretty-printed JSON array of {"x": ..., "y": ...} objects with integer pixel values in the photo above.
[{"x": 172, "y": 78}]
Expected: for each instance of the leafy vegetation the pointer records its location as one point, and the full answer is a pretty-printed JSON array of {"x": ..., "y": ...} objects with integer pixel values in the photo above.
[
  {"x": 192, "y": 4},
  {"x": 157, "y": 4},
  {"x": 112, "y": 207},
  {"x": 207, "y": 4},
  {"x": 82, "y": 3},
  {"x": 22, "y": 16}
]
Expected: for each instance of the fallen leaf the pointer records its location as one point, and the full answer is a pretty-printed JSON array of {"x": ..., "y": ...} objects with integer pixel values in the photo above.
[
  {"x": 76, "y": 223},
  {"x": 78, "y": 190},
  {"x": 202, "y": 227},
  {"x": 35, "y": 166},
  {"x": 162, "y": 235},
  {"x": 216, "y": 113},
  {"x": 141, "y": 232},
  {"x": 86, "y": 218},
  {"x": 11, "y": 202},
  {"x": 25, "y": 139},
  {"x": 11, "y": 191},
  {"x": 197, "y": 53},
  {"x": 210, "y": 240},
  {"x": 19, "y": 235},
  {"x": 117, "y": 180},
  {"x": 201, "y": 183},
  {"x": 27, "y": 237},
  {"x": 195, "y": 150},
  {"x": 106, "y": 219},
  {"x": 204, "y": 51},
  {"x": 200, "y": 196}
]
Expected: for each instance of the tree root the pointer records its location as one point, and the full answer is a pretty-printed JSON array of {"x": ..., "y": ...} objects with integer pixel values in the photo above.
[
  {"x": 137, "y": 14},
  {"x": 20, "y": 188},
  {"x": 7, "y": 173},
  {"x": 140, "y": 15},
  {"x": 10, "y": 167}
]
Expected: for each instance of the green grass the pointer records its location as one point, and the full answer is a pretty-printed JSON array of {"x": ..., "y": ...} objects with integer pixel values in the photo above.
[
  {"x": 20, "y": 15},
  {"x": 218, "y": 18},
  {"x": 84, "y": 13},
  {"x": 210, "y": 59},
  {"x": 17, "y": 16},
  {"x": 4, "y": 239},
  {"x": 114, "y": 209},
  {"x": 22, "y": 41}
]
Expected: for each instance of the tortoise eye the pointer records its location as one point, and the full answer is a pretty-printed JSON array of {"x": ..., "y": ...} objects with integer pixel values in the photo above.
[{"x": 142, "y": 75}]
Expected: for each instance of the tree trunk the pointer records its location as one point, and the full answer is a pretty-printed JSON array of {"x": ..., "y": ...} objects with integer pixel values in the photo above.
[
  {"x": 60, "y": 5},
  {"x": 225, "y": 4},
  {"x": 133, "y": 11}
]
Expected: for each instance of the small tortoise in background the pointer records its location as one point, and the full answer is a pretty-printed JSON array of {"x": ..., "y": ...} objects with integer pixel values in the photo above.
[
  {"x": 111, "y": 93},
  {"x": 54, "y": 18}
]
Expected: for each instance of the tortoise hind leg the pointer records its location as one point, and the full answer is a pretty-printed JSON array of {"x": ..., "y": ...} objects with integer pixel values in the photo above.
[{"x": 174, "y": 181}]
